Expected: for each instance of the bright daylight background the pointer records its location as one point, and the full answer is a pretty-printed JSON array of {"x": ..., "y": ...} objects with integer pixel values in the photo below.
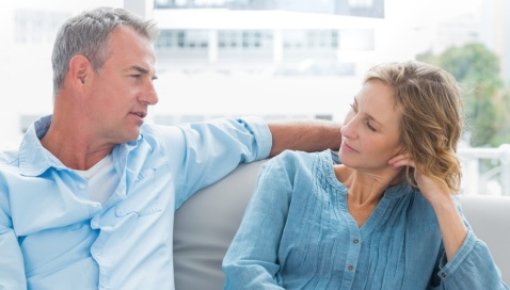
[{"x": 297, "y": 62}]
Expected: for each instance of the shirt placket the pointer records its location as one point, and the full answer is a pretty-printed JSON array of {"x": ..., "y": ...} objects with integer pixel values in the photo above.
[{"x": 352, "y": 259}]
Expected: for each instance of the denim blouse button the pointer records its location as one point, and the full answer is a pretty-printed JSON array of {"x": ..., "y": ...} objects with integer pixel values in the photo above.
[
  {"x": 355, "y": 241},
  {"x": 350, "y": 268}
]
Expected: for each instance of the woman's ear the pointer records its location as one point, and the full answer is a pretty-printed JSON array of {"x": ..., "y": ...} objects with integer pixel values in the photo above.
[{"x": 400, "y": 150}]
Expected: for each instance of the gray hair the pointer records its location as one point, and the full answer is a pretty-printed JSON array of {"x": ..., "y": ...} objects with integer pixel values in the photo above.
[{"x": 87, "y": 34}]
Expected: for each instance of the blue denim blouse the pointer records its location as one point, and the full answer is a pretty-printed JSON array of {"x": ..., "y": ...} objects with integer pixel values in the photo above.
[{"x": 297, "y": 233}]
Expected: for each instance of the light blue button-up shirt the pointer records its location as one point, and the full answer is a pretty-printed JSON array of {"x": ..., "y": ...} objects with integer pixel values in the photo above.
[
  {"x": 52, "y": 236},
  {"x": 297, "y": 233}
]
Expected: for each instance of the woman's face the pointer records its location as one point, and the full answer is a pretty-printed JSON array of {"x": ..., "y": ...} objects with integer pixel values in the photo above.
[{"x": 370, "y": 134}]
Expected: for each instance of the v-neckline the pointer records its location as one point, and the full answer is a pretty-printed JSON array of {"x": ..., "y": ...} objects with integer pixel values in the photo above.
[{"x": 341, "y": 204}]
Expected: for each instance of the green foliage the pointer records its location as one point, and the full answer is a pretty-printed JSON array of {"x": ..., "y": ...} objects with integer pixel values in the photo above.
[
  {"x": 503, "y": 135},
  {"x": 485, "y": 102}
]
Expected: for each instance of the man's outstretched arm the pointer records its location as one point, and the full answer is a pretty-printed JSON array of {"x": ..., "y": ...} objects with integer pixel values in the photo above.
[{"x": 305, "y": 136}]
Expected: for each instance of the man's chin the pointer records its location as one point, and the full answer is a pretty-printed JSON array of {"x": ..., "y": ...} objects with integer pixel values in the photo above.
[{"x": 132, "y": 136}]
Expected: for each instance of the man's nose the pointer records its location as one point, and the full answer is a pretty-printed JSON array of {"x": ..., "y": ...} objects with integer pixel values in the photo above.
[{"x": 150, "y": 96}]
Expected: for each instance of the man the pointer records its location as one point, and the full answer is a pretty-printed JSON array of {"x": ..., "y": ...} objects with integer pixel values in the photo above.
[{"x": 88, "y": 200}]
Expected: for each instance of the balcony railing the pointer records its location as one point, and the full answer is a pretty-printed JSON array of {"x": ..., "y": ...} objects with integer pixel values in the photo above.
[{"x": 486, "y": 170}]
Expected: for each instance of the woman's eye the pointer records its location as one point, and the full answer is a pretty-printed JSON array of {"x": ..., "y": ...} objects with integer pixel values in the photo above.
[{"x": 370, "y": 126}]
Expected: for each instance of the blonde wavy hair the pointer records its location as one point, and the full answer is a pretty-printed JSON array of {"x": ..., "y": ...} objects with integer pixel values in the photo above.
[{"x": 431, "y": 122}]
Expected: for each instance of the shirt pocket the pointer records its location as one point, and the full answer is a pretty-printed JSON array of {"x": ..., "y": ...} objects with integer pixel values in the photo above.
[{"x": 147, "y": 195}]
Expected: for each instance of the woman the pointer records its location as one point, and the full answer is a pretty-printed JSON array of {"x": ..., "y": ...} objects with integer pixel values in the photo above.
[{"x": 383, "y": 219}]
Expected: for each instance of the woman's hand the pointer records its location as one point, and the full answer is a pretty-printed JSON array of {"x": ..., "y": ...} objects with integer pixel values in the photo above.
[
  {"x": 436, "y": 192},
  {"x": 433, "y": 190}
]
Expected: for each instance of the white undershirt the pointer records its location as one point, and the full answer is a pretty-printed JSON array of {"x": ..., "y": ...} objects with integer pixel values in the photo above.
[{"x": 101, "y": 179}]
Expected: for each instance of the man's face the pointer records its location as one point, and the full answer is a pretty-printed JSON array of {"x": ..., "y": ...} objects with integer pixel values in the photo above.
[{"x": 122, "y": 89}]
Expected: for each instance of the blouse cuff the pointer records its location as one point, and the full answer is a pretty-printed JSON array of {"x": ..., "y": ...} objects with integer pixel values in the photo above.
[{"x": 459, "y": 258}]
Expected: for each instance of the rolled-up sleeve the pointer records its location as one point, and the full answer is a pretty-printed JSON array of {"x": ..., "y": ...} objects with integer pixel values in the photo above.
[
  {"x": 472, "y": 268},
  {"x": 213, "y": 149}
]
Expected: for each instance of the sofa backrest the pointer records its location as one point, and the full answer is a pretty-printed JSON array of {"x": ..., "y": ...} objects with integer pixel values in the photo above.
[
  {"x": 205, "y": 225},
  {"x": 490, "y": 218}
]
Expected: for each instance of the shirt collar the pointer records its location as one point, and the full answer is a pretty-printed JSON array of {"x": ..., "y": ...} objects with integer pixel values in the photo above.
[
  {"x": 398, "y": 190},
  {"x": 34, "y": 159}
]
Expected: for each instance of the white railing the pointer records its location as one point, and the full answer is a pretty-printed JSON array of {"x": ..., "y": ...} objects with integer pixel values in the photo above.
[{"x": 478, "y": 180}]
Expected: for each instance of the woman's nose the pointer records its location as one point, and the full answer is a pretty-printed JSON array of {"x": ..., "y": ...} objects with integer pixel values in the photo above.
[{"x": 348, "y": 130}]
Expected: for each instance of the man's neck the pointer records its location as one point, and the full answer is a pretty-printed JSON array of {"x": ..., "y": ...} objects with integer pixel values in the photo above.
[{"x": 73, "y": 147}]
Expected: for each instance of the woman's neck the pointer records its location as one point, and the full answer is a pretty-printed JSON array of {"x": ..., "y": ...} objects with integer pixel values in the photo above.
[{"x": 365, "y": 189}]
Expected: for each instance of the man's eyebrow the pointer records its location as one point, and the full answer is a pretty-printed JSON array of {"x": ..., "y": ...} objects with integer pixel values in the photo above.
[{"x": 141, "y": 70}]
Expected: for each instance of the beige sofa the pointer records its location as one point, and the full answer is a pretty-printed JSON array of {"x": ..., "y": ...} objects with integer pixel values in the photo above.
[{"x": 205, "y": 225}]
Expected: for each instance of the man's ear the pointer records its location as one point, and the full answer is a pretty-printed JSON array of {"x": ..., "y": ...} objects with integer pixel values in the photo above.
[{"x": 80, "y": 69}]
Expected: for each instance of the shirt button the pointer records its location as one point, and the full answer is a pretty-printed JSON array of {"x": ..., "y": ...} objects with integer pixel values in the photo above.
[
  {"x": 82, "y": 186},
  {"x": 443, "y": 275},
  {"x": 350, "y": 268},
  {"x": 355, "y": 241}
]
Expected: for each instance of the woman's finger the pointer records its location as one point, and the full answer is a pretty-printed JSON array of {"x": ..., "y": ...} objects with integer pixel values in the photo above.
[{"x": 401, "y": 160}]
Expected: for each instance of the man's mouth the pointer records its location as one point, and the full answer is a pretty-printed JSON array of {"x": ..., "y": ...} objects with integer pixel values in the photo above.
[{"x": 140, "y": 114}]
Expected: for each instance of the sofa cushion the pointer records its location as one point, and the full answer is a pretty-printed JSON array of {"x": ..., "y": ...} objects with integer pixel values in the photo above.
[
  {"x": 489, "y": 216},
  {"x": 205, "y": 225}
]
